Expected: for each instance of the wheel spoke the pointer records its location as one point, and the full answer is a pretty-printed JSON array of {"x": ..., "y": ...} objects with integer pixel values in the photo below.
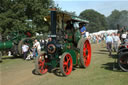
[
  {"x": 65, "y": 68},
  {"x": 66, "y": 58},
  {"x": 85, "y": 45},
  {"x": 42, "y": 68},
  {"x": 65, "y": 63},
  {"x": 40, "y": 64},
  {"x": 85, "y": 58},
  {"x": 84, "y": 52},
  {"x": 69, "y": 58}
]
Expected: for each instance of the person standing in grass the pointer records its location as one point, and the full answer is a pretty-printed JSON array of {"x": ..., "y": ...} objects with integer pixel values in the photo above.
[
  {"x": 34, "y": 50},
  {"x": 25, "y": 49},
  {"x": 109, "y": 42},
  {"x": 116, "y": 42},
  {"x": 38, "y": 47}
]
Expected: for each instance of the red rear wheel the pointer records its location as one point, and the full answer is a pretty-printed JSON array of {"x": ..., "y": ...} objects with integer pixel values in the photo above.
[
  {"x": 41, "y": 66},
  {"x": 66, "y": 64},
  {"x": 85, "y": 53}
]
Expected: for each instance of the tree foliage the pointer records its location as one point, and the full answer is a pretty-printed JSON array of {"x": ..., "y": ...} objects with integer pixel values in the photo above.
[
  {"x": 24, "y": 15},
  {"x": 118, "y": 18},
  {"x": 96, "y": 20}
]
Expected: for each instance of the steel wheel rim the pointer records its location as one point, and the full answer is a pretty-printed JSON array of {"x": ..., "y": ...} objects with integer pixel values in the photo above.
[
  {"x": 41, "y": 64},
  {"x": 67, "y": 64},
  {"x": 86, "y": 53}
]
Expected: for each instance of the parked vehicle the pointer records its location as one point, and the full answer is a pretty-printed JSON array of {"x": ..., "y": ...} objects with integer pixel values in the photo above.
[
  {"x": 65, "y": 49},
  {"x": 14, "y": 42}
]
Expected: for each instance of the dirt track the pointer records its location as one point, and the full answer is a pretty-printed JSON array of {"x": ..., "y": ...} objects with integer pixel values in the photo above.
[{"x": 20, "y": 72}]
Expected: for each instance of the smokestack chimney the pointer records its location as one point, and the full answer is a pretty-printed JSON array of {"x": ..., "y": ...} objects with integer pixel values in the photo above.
[
  {"x": 118, "y": 27},
  {"x": 53, "y": 24}
]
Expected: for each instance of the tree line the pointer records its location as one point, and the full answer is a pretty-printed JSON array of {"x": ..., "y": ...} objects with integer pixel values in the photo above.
[
  {"x": 24, "y": 15},
  {"x": 27, "y": 15},
  {"x": 117, "y": 19}
]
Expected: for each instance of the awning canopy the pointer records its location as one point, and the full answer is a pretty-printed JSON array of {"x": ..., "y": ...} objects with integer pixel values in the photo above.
[{"x": 66, "y": 17}]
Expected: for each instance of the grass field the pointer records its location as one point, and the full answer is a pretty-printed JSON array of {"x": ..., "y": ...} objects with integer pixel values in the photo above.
[{"x": 15, "y": 71}]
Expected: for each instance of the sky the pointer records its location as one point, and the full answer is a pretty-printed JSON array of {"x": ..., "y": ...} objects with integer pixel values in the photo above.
[{"x": 102, "y": 6}]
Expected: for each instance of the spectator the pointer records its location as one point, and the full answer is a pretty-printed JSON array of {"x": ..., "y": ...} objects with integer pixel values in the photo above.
[
  {"x": 25, "y": 48},
  {"x": 123, "y": 37},
  {"x": 109, "y": 42},
  {"x": 116, "y": 42},
  {"x": 37, "y": 46},
  {"x": 34, "y": 50}
]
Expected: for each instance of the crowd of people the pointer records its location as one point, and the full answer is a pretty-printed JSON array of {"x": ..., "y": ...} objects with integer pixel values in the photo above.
[
  {"x": 30, "y": 53},
  {"x": 96, "y": 38},
  {"x": 113, "y": 40},
  {"x": 33, "y": 52}
]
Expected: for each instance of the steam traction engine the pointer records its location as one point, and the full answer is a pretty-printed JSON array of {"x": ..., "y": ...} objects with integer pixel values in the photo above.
[
  {"x": 65, "y": 48},
  {"x": 14, "y": 42}
]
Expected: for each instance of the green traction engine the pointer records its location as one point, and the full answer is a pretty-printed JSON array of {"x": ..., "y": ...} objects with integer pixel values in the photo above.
[
  {"x": 14, "y": 42},
  {"x": 65, "y": 49}
]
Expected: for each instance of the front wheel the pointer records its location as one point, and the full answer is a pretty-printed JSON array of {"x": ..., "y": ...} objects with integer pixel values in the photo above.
[
  {"x": 40, "y": 64},
  {"x": 123, "y": 61},
  {"x": 66, "y": 64}
]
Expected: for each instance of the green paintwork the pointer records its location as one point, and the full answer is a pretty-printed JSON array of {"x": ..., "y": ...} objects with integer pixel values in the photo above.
[
  {"x": 66, "y": 45},
  {"x": 68, "y": 48},
  {"x": 53, "y": 63},
  {"x": 6, "y": 45},
  {"x": 16, "y": 36},
  {"x": 77, "y": 35},
  {"x": 70, "y": 35},
  {"x": 13, "y": 39},
  {"x": 73, "y": 54}
]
